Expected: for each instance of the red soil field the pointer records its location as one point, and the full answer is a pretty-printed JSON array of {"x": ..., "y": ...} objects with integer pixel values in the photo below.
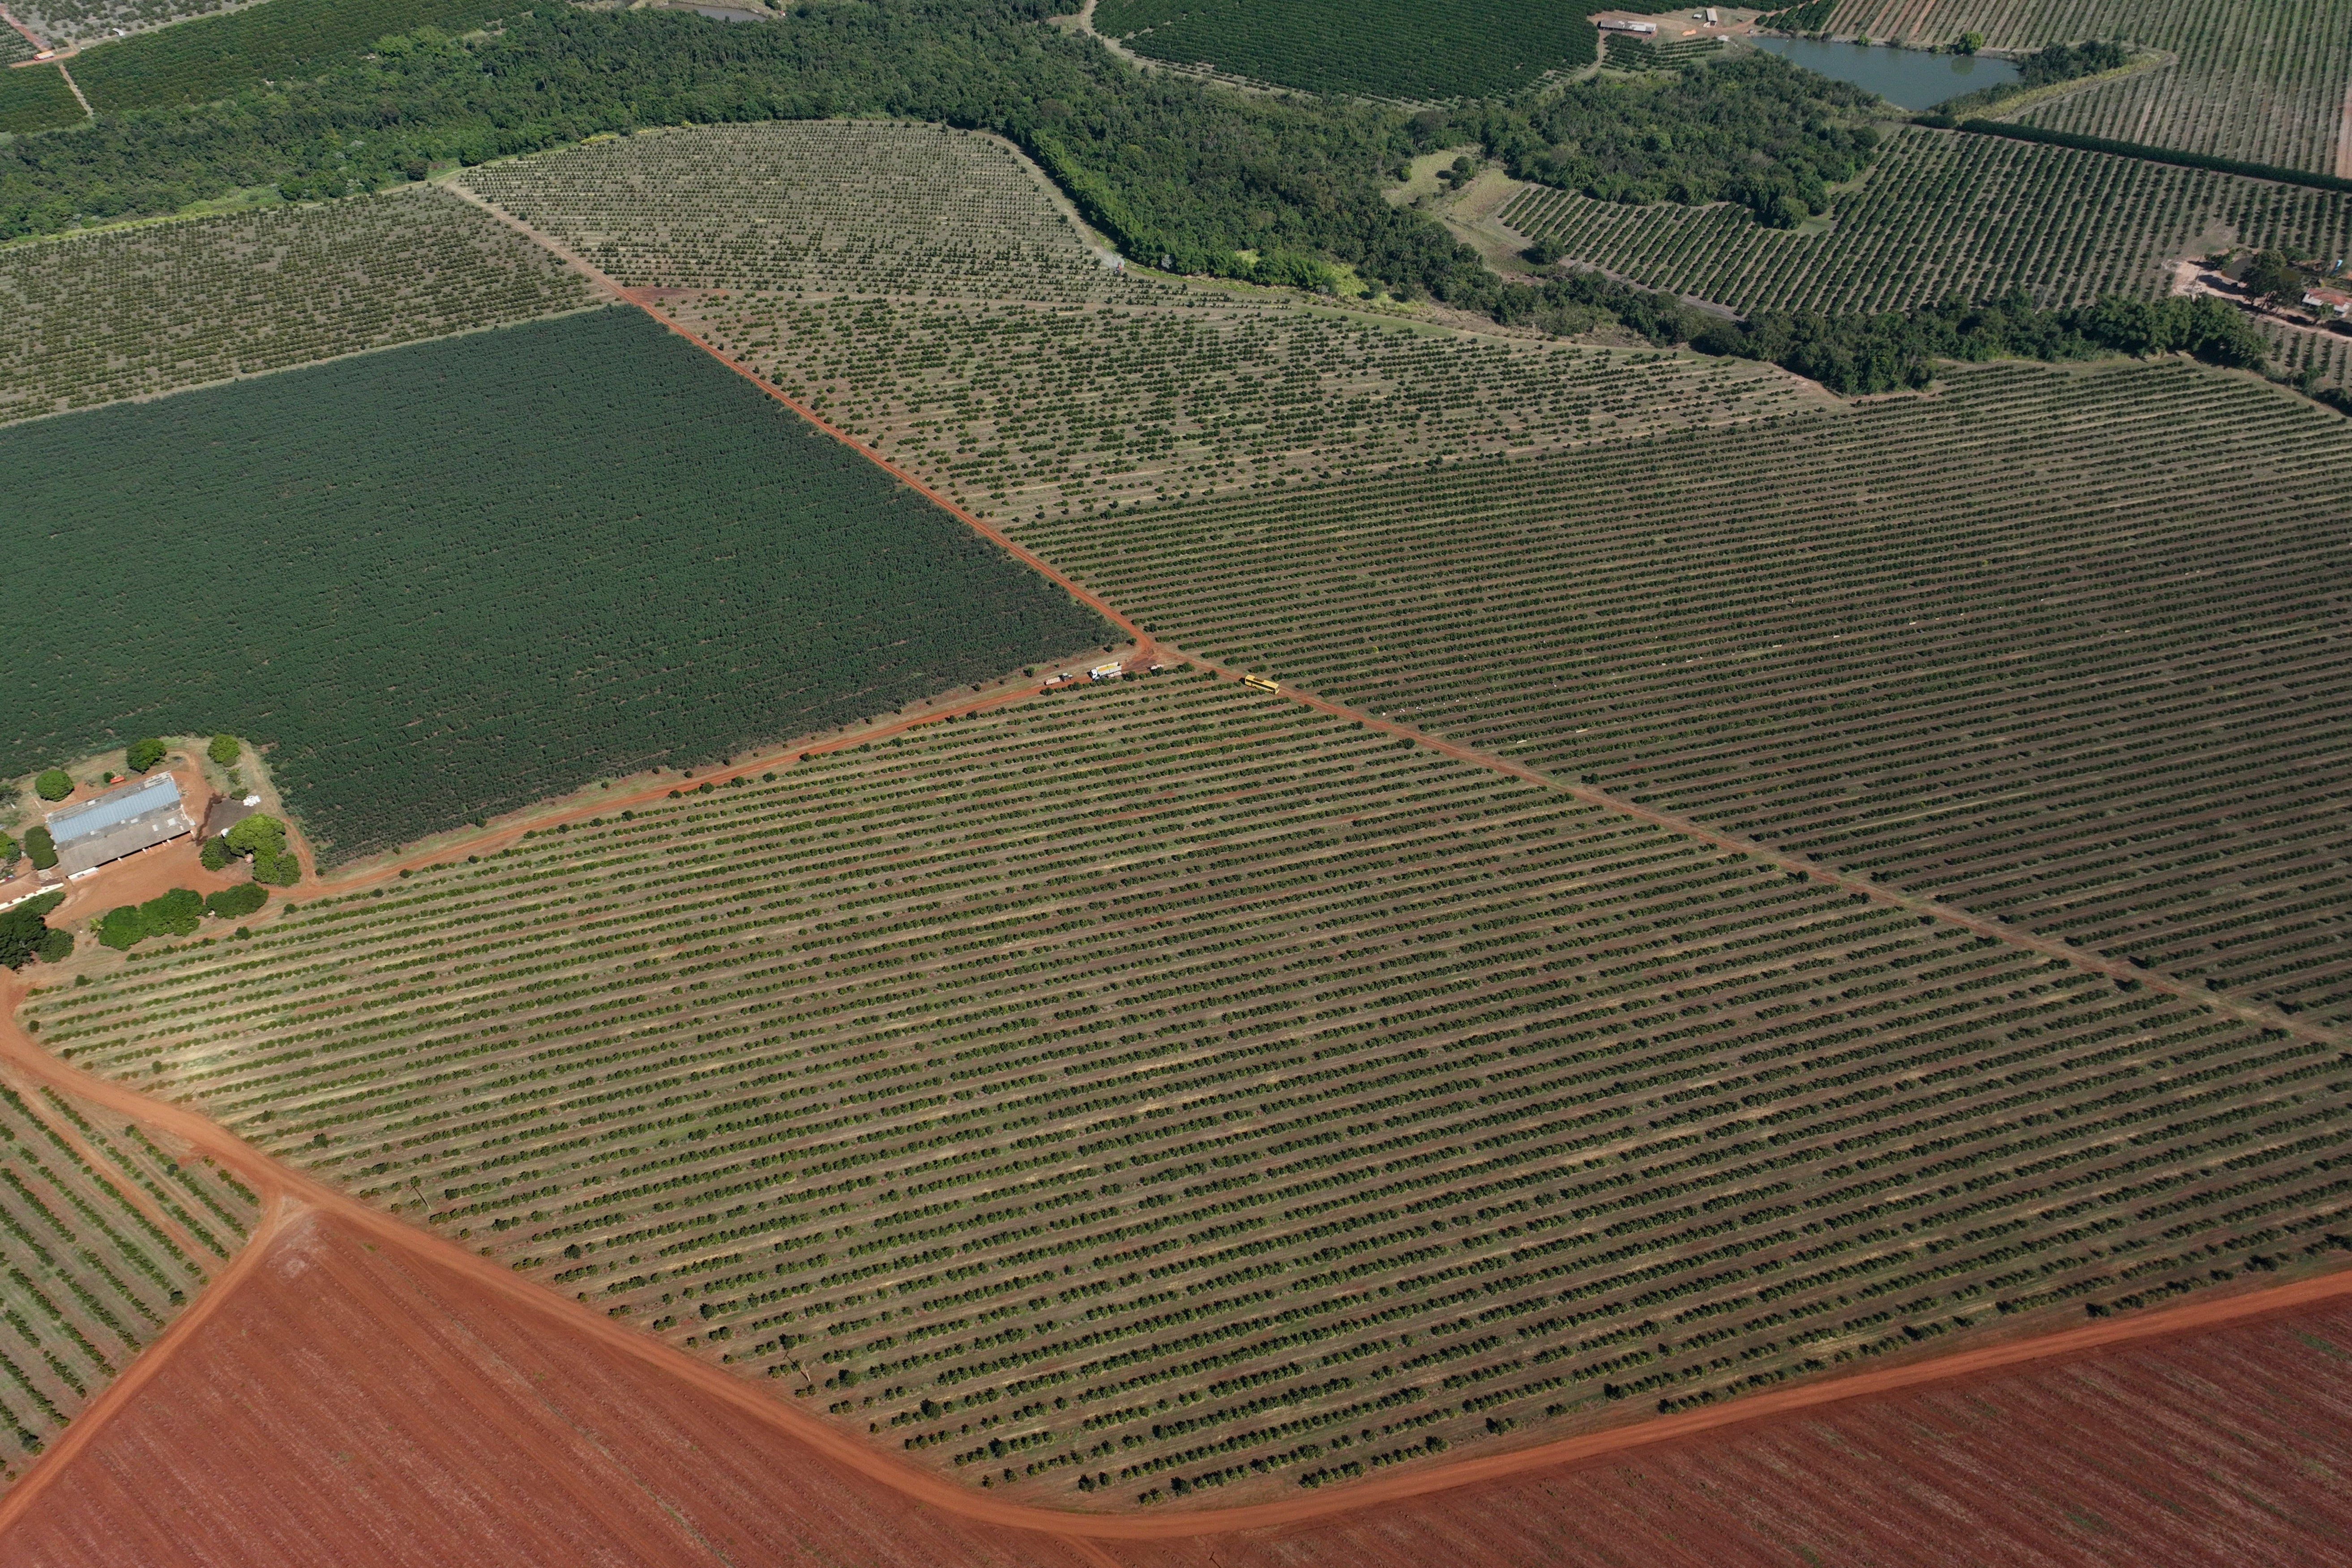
[
  {"x": 345, "y": 1404},
  {"x": 2226, "y": 1446},
  {"x": 335, "y": 1398}
]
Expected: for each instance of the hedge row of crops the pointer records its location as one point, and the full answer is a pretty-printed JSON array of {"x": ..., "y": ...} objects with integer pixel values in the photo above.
[
  {"x": 1163, "y": 1087},
  {"x": 1018, "y": 408},
  {"x": 2064, "y": 647},
  {"x": 2260, "y": 79},
  {"x": 2325, "y": 357},
  {"x": 453, "y": 578},
  {"x": 89, "y": 1273},
  {"x": 133, "y": 312},
  {"x": 821, "y": 206},
  {"x": 1947, "y": 216}
]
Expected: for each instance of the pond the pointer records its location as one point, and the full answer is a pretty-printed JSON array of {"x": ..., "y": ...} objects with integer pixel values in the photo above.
[{"x": 1908, "y": 79}]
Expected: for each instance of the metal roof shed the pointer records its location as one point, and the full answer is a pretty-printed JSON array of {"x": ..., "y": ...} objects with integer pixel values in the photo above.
[{"x": 119, "y": 822}]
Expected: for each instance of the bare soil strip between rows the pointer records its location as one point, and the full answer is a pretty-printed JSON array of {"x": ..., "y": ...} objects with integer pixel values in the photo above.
[
  {"x": 113, "y": 1172},
  {"x": 289, "y": 1192}
]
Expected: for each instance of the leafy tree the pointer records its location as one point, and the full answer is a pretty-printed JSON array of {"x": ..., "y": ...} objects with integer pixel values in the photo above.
[
  {"x": 55, "y": 783},
  {"x": 175, "y": 913},
  {"x": 235, "y": 903},
  {"x": 8, "y": 850},
  {"x": 214, "y": 856},
  {"x": 1748, "y": 128},
  {"x": 2271, "y": 276},
  {"x": 224, "y": 750},
  {"x": 122, "y": 928},
  {"x": 263, "y": 838},
  {"x": 40, "y": 848},
  {"x": 21, "y": 932},
  {"x": 2064, "y": 62},
  {"x": 1970, "y": 42},
  {"x": 257, "y": 834},
  {"x": 145, "y": 755},
  {"x": 55, "y": 947}
]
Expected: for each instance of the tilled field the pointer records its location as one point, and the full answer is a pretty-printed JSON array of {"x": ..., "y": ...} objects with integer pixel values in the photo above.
[
  {"x": 2217, "y": 1446},
  {"x": 2066, "y": 648},
  {"x": 1945, "y": 216},
  {"x": 104, "y": 1237},
  {"x": 1164, "y": 1088},
  {"x": 351, "y": 1391},
  {"x": 137, "y": 311}
]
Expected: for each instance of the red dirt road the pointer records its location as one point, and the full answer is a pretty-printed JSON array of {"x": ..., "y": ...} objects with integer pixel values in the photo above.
[
  {"x": 340, "y": 1397},
  {"x": 358, "y": 1404},
  {"x": 596, "y": 1350},
  {"x": 2228, "y": 1447}
]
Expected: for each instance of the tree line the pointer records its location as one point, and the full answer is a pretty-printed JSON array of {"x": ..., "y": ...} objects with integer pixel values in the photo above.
[
  {"x": 1197, "y": 179},
  {"x": 1270, "y": 188},
  {"x": 1890, "y": 350}
]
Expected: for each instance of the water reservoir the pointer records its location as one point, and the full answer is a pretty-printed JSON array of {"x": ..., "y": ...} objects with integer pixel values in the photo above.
[{"x": 1908, "y": 79}]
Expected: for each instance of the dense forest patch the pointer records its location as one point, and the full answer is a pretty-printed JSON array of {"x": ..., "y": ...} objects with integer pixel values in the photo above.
[{"x": 1391, "y": 48}]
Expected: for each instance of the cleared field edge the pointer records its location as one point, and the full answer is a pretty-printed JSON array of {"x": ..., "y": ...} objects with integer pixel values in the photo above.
[{"x": 1111, "y": 1306}]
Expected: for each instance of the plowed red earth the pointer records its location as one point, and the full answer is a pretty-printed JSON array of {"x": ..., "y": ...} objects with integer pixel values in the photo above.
[
  {"x": 359, "y": 1403},
  {"x": 346, "y": 1405},
  {"x": 2233, "y": 1446}
]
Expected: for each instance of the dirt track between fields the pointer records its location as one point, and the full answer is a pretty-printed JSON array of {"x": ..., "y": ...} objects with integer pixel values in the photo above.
[
  {"x": 281, "y": 1185},
  {"x": 649, "y": 301}
]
